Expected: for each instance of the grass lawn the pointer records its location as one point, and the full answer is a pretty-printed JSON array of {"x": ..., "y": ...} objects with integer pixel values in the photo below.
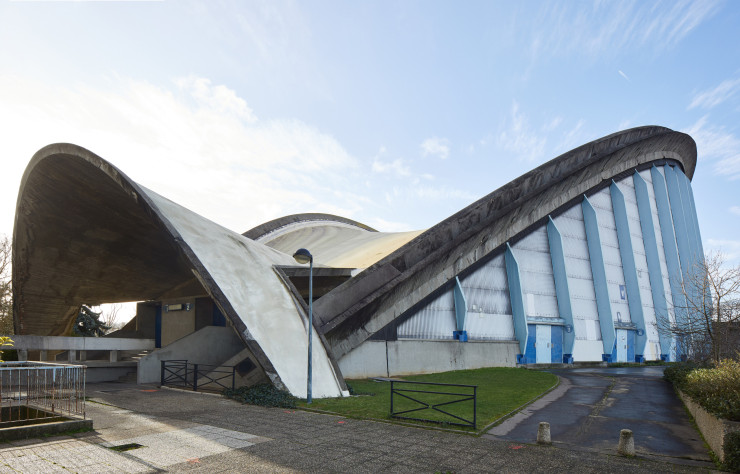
[{"x": 500, "y": 390}]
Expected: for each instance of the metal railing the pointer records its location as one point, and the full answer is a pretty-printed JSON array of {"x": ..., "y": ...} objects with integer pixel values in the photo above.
[
  {"x": 423, "y": 399},
  {"x": 180, "y": 373},
  {"x": 40, "y": 391}
]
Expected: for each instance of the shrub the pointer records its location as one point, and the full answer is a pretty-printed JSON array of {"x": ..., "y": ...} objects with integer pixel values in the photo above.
[
  {"x": 264, "y": 394},
  {"x": 716, "y": 389},
  {"x": 732, "y": 451},
  {"x": 676, "y": 373}
]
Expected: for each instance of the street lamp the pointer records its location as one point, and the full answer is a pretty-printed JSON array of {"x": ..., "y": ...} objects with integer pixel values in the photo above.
[{"x": 303, "y": 256}]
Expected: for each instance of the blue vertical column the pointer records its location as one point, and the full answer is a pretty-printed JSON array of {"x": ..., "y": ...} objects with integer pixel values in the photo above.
[
  {"x": 596, "y": 257},
  {"x": 698, "y": 248},
  {"x": 653, "y": 260},
  {"x": 557, "y": 256},
  {"x": 461, "y": 311},
  {"x": 516, "y": 296},
  {"x": 670, "y": 248},
  {"x": 689, "y": 193},
  {"x": 627, "y": 256},
  {"x": 679, "y": 222}
]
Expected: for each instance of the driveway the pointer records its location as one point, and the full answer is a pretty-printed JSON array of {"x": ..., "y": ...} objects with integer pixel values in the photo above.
[{"x": 592, "y": 405}]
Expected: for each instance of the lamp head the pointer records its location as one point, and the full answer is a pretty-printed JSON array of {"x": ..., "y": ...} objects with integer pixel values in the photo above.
[{"x": 303, "y": 256}]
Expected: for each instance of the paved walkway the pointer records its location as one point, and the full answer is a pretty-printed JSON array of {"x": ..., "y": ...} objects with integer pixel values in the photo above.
[
  {"x": 593, "y": 404},
  {"x": 182, "y": 431}
]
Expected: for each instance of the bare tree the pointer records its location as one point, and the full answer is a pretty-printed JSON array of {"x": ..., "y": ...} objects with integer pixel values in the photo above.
[
  {"x": 6, "y": 289},
  {"x": 706, "y": 326}
]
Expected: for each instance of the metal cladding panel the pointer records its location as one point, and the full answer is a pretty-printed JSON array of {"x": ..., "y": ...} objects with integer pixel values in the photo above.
[
  {"x": 516, "y": 295},
  {"x": 486, "y": 292},
  {"x": 561, "y": 285},
  {"x": 603, "y": 301},
  {"x": 436, "y": 320},
  {"x": 651, "y": 282},
  {"x": 612, "y": 259},
  {"x": 535, "y": 269},
  {"x": 675, "y": 277},
  {"x": 630, "y": 269},
  {"x": 580, "y": 281},
  {"x": 665, "y": 275}
]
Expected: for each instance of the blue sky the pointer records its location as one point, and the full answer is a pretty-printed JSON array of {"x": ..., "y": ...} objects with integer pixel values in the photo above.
[{"x": 396, "y": 114}]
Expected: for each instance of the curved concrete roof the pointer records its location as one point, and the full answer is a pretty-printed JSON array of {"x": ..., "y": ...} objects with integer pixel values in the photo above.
[
  {"x": 86, "y": 233},
  {"x": 365, "y": 304},
  {"x": 333, "y": 241}
]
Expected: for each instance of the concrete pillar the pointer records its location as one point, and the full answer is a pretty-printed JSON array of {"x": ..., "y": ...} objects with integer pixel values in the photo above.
[
  {"x": 43, "y": 356},
  {"x": 114, "y": 356},
  {"x": 626, "y": 443},
  {"x": 72, "y": 355},
  {"x": 543, "y": 433},
  {"x": 22, "y": 355},
  {"x": 83, "y": 355}
]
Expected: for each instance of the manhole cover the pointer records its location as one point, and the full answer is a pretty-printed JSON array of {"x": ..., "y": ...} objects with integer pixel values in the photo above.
[{"x": 126, "y": 447}]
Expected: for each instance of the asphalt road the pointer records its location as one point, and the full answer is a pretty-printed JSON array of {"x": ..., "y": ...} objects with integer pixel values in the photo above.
[{"x": 592, "y": 405}]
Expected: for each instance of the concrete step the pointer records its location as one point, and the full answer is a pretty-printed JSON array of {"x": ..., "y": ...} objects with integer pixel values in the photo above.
[{"x": 128, "y": 378}]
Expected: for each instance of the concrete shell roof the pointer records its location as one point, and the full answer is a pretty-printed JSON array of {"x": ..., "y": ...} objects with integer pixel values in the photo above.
[
  {"x": 333, "y": 241},
  {"x": 86, "y": 233},
  {"x": 390, "y": 288}
]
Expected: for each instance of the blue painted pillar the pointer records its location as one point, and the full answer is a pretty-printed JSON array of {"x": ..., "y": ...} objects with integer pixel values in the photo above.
[
  {"x": 461, "y": 311},
  {"x": 653, "y": 261},
  {"x": 516, "y": 296},
  {"x": 557, "y": 257},
  {"x": 670, "y": 248},
  {"x": 629, "y": 268},
  {"x": 698, "y": 248},
  {"x": 596, "y": 257},
  {"x": 679, "y": 222}
]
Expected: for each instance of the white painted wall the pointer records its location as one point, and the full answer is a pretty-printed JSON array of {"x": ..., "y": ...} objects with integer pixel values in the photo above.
[{"x": 407, "y": 357}]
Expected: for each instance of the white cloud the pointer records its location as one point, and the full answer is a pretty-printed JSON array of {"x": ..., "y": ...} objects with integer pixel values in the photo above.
[
  {"x": 218, "y": 98},
  {"x": 735, "y": 210},
  {"x": 203, "y": 148},
  {"x": 715, "y": 143},
  {"x": 729, "y": 248},
  {"x": 615, "y": 27},
  {"x": 434, "y": 146},
  {"x": 624, "y": 75},
  {"x": 519, "y": 139},
  {"x": 395, "y": 167},
  {"x": 713, "y": 97},
  {"x": 383, "y": 225}
]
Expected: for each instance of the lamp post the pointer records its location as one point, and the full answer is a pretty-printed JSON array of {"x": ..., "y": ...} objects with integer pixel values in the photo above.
[{"x": 303, "y": 256}]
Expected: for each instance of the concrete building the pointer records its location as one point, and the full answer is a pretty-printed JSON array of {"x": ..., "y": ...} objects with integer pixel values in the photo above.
[{"x": 580, "y": 259}]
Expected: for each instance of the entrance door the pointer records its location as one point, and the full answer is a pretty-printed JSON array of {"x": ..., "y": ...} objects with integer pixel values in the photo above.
[
  {"x": 544, "y": 344},
  {"x": 621, "y": 345}
]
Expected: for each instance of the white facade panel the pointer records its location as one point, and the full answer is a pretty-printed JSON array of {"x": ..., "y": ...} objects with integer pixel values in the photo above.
[
  {"x": 627, "y": 187},
  {"x": 436, "y": 320},
  {"x": 580, "y": 280},
  {"x": 602, "y": 203},
  {"x": 489, "y": 309},
  {"x": 535, "y": 269}
]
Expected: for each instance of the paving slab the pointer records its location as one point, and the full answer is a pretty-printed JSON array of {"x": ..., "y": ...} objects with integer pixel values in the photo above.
[{"x": 184, "y": 432}]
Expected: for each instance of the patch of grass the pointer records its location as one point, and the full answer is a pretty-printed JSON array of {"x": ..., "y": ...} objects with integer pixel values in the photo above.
[{"x": 500, "y": 391}]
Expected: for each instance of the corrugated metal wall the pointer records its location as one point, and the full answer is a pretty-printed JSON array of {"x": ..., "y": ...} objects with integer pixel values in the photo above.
[
  {"x": 580, "y": 280},
  {"x": 489, "y": 309},
  {"x": 535, "y": 267},
  {"x": 436, "y": 320},
  {"x": 489, "y": 314},
  {"x": 602, "y": 202},
  {"x": 652, "y": 348}
]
